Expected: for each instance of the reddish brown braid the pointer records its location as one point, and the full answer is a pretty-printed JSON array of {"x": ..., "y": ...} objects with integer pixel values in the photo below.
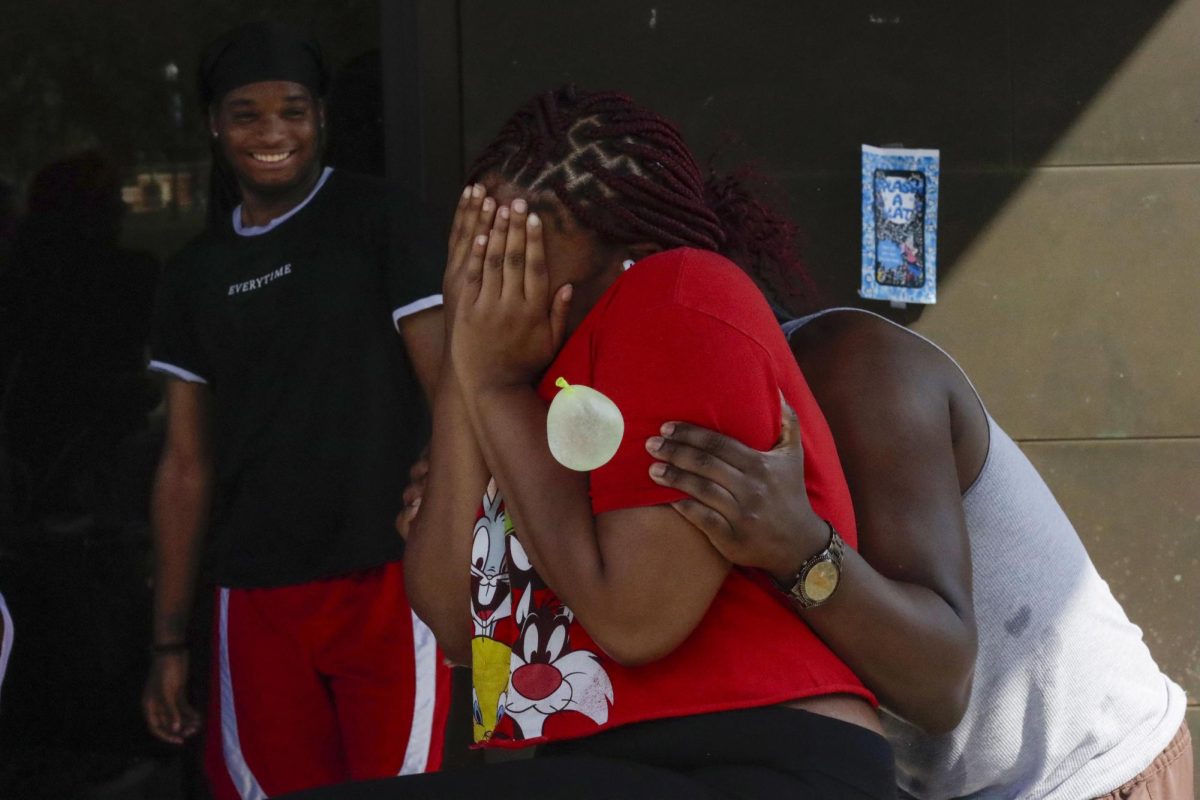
[{"x": 625, "y": 172}]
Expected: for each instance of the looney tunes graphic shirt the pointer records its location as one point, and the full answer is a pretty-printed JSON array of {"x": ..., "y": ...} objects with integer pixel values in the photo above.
[{"x": 683, "y": 335}]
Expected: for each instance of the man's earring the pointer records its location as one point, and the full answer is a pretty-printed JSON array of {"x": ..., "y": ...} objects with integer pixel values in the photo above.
[
  {"x": 627, "y": 263},
  {"x": 214, "y": 133}
]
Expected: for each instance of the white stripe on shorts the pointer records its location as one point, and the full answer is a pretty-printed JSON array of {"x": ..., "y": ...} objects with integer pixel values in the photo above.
[
  {"x": 420, "y": 735},
  {"x": 239, "y": 772}
]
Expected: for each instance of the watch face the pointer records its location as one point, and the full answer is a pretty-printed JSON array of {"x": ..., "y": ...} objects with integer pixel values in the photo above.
[{"x": 820, "y": 581}]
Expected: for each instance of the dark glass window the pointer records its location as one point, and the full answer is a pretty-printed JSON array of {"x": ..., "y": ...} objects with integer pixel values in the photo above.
[{"x": 104, "y": 164}]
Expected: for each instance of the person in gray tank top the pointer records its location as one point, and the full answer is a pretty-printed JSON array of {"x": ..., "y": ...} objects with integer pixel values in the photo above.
[{"x": 1006, "y": 666}]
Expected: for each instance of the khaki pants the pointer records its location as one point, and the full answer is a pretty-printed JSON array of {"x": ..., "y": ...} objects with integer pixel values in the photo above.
[{"x": 1169, "y": 776}]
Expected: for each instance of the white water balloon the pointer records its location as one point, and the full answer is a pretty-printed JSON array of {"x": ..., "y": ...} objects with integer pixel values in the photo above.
[{"x": 584, "y": 428}]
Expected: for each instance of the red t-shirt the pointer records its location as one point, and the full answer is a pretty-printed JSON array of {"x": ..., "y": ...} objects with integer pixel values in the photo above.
[{"x": 683, "y": 335}]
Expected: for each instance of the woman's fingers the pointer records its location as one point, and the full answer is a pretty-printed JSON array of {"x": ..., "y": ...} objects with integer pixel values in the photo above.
[
  {"x": 493, "y": 257},
  {"x": 466, "y": 218},
  {"x": 714, "y": 483},
  {"x": 537, "y": 276},
  {"x": 485, "y": 217},
  {"x": 711, "y": 523},
  {"x": 478, "y": 222},
  {"x": 514, "y": 253},
  {"x": 457, "y": 225},
  {"x": 711, "y": 447},
  {"x": 559, "y": 308},
  {"x": 473, "y": 270}
]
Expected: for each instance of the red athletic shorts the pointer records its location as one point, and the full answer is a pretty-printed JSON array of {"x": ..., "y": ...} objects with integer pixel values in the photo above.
[{"x": 321, "y": 683}]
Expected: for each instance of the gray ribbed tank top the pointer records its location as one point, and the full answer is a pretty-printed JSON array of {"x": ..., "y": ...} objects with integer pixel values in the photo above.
[{"x": 1067, "y": 702}]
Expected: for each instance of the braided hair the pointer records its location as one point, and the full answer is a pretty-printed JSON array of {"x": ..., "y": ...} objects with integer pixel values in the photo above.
[{"x": 625, "y": 172}]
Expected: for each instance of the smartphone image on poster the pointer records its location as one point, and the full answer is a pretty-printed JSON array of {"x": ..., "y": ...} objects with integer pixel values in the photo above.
[{"x": 899, "y": 204}]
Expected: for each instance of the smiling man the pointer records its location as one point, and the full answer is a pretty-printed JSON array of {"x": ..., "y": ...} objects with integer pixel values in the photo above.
[{"x": 293, "y": 412}]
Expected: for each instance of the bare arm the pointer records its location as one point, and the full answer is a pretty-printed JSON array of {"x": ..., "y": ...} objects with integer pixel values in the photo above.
[
  {"x": 639, "y": 580},
  {"x": 915, "y": 552},
  {"x": 438, "y": 551},
  {"x": 424, "y": 334},
  {"x": 902, "y": 616},
  {"x": 180, "y": 505}
]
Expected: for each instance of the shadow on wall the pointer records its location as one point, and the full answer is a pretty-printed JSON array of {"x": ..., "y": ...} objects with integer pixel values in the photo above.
[{"x": 802, "y": 85}]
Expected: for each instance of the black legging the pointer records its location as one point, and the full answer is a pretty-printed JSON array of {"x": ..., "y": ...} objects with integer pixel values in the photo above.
[{"x": 751, "y": 753}]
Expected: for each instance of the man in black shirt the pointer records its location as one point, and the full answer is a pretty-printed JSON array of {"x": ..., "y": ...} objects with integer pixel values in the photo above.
[{"x": 293, "y": 413}]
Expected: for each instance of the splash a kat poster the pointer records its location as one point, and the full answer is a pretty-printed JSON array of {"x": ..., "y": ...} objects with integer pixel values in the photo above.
[{"x": 899, "y": 224}]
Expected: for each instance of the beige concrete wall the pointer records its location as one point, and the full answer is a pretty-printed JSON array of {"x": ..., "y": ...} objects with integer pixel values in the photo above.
[
  {"x": 1076, "y": 309},
  {"x": 1070, "y": 217}
]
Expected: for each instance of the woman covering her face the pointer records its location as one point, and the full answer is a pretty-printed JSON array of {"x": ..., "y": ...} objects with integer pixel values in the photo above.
[{"x": 601, "y": 625}]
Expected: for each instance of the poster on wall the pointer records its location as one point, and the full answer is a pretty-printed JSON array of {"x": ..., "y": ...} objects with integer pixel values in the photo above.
[{"x": 899, "y": 224}]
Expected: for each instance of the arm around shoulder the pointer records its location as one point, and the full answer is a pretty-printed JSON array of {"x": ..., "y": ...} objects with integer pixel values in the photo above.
[{"x": 886, "y": 396}]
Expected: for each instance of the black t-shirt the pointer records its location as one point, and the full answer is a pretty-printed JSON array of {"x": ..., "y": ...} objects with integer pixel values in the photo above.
[{"x": 317, "y": 414}]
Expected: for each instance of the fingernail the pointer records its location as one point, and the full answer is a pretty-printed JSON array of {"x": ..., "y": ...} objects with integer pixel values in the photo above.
[
  {"x": 489, "y": 204},
  {"x": 519, "y": 206},
  {"x": 568, "y": 290},
  {"x": 658, "y": 470},
  {"x": 667, "y": 429},
  {"x": 477, "y": 191},
  {"x": 467, "y": 191},
  {"x": 653, "y": 443},
  {"x": 481, "y": 240},
  {"x": 503, "y": 212},
  {"x": 534, "y": 220}
]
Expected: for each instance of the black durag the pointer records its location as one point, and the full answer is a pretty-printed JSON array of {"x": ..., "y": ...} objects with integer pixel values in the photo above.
[
  {"x": 251, "y": 53},
  {"x": 261, "y": 51}
]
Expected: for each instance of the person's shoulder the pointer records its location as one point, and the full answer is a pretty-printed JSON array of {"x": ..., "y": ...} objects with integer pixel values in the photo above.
[
  {"x": 369, "y": 197},
  {"x": 851, "y": 328},
  {"x": 352, "y": 190},
  {"x": 198, "y": 253},
  {"x": 362, "y": 188},
  {"x": 699, "y": 280},
  {"x": 344, "y": 180},
  {"x": 870, "y": 356},
  {"x": 691, "y": 268}
]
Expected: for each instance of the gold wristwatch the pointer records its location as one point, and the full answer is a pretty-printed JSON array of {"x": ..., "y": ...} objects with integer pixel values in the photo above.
[{"x": 818, "y": 577}]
